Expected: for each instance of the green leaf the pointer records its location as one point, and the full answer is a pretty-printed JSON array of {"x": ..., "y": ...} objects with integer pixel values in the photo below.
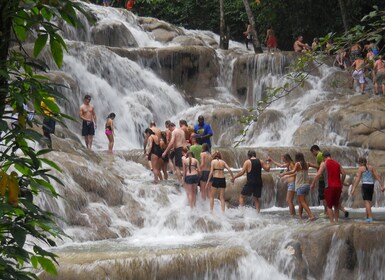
[
  {"x": 20, "y": 32},
  {"x": 19, "y": 234},
  {"x": 57, "y": 51},
  {"x": 47, "y": 265},
  {"x": 34, "y": 261},
  {"x": 40, "y": 44}
]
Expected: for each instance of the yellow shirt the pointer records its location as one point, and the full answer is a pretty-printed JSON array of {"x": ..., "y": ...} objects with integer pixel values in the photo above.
[{"x": 47, "y": 111}]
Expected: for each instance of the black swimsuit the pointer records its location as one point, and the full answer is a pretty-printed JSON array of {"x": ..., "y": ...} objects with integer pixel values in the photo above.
[{"x": 155, "y": 149}]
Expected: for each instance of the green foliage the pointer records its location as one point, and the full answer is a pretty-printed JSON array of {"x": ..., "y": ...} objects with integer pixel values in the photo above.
[
  {"x": 288, "y": 18},
  {"x": 25, "y": 172}
]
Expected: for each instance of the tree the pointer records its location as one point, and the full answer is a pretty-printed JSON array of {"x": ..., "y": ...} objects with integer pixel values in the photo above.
[
  {"x": 343, "y": 14},
  {"x": 25, "y": 172},
  {"x": 254, "y": 34},
  {"x": 224, "y": 40}
]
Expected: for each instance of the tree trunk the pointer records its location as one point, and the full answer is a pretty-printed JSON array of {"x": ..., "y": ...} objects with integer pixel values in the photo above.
[
  {"x": 224, "y": 38},
  {"x": 256, "y": 43},
  {"x": 6, "y": 8},
  {"x": 344, "y": 14}
]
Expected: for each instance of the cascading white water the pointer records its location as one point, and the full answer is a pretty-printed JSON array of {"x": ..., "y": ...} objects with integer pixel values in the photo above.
[{"x": 119, "y": 222}]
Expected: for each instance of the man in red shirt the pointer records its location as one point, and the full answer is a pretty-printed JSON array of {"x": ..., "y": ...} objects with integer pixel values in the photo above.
[{"x": 334, "y": 176}]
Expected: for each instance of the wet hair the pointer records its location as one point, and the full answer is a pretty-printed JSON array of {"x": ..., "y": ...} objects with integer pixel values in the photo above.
[
  {"x": 287, "y": 158},
  {"x": 326, "y": 154},
  {"x": 149, "y": 131},
  {"x": 87, "y": 96},
  {"x": 183, "y": 122},
  {"x": 167, "y": 123},
  {"x": 362, "y": 160},
  {"x": 299, "y": 157},
  {"x": 217, "y": 155},
  {"x": 251, "y": 154},
  {"x": 152, "y": 123},
  {"x": 205, "y": 147},
  {"x": 111, "y": 116},
  {"x": 190, "y": 155},
  {"x": 171, "y": 124},
  {"x": 314, "y": 148}
]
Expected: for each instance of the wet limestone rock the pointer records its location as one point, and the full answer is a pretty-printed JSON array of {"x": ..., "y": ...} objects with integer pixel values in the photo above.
[{"x": 113, "y": 34}]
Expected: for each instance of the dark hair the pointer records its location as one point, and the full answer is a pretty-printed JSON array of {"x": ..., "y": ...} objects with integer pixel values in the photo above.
[
  {"x": 326, "y": 154},
  {"x": 251, "y": 154},
  {"x": 152, "y": 123},
  {"x": 205, "y": 147},
  {"x": 111, "y": 116},
  {"x": 183, "y": 122},
  {"x": 201, "y": 117},
  {"x": 299, "y": 157},
  {"x": 314, "y": 148},
  {"x": 288, "y": 158},
  {"x": 171, "y": 124},
  {"x": 217, "y": 155},
  {"x": 190, "y": 155},
  {"x": 167, "y": 123},
  {"x": 87, "y": 96},
  {"x": 149, "y": 131}
]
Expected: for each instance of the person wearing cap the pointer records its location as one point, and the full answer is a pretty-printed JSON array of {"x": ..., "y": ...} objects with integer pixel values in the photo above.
[
  {"x": 203, "y": 131},
  {"x": 334, "y": 176}
]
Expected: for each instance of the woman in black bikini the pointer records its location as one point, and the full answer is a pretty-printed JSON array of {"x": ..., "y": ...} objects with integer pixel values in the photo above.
[
  {"x": 191, "y": 172},
  {"x": 219, "y": 182},
  {"x": 155, "y": 153}
]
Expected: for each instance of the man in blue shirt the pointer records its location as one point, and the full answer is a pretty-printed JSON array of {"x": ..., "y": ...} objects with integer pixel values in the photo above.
[{"x": 203, "y": 131}]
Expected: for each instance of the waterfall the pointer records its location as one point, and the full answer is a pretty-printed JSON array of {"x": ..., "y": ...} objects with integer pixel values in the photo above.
[{"x": 123, "y": 227}]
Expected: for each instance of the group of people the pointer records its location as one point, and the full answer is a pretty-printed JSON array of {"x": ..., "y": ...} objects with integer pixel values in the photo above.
[
  {"x": 367, "y": 61},
  {"x": 361, "y": 60},
  {"x": 271, "y": 41},
  {"x": 330, "y": 177},
  {"x": 196, "y": 166}
]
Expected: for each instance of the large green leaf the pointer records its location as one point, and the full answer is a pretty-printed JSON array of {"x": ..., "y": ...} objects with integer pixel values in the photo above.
[
  {"x": 40, "y": 43},
  {"x": 57, "y": 51}
]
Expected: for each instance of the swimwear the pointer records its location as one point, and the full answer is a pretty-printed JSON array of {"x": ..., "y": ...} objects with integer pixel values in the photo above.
[
  {"x": 205, "y": 176},
  {"x": 359, "y": 75},
  {"x": 108, "y": 132},
  {"x": 191, "y": 179},
  {"x": 254, "y": 180},
  {"x": 332, "y": 196},
  {"x": 252, "y": 189},
  {"x": 178, "y": 157},
  {"x": 88, "y": 128},
  {"x": 380, "y": 78},
  {"x": 156, "y": 150},
  {"x": 219, "y": 183},
  {"x": 367, "y": 191}
]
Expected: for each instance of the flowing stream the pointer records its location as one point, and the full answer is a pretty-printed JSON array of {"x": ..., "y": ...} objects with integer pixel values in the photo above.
[{"x": 123, "y": 227}]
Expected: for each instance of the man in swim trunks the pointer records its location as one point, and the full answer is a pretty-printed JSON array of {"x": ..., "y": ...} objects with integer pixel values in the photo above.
[
  {"x": 359, "y": 72},
  {"x": 253, "y": 167},
  {"x": 178, "y": 142},
  {"x": 379, "y": 70},
  {"x": 334, "y": 176},
  {"x": 88, "y": 116}
]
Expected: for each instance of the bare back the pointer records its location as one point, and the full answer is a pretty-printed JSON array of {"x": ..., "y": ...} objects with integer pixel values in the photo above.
[
  {"x": 206, "y": 159},
  {"x": 179, "y": 138}
]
